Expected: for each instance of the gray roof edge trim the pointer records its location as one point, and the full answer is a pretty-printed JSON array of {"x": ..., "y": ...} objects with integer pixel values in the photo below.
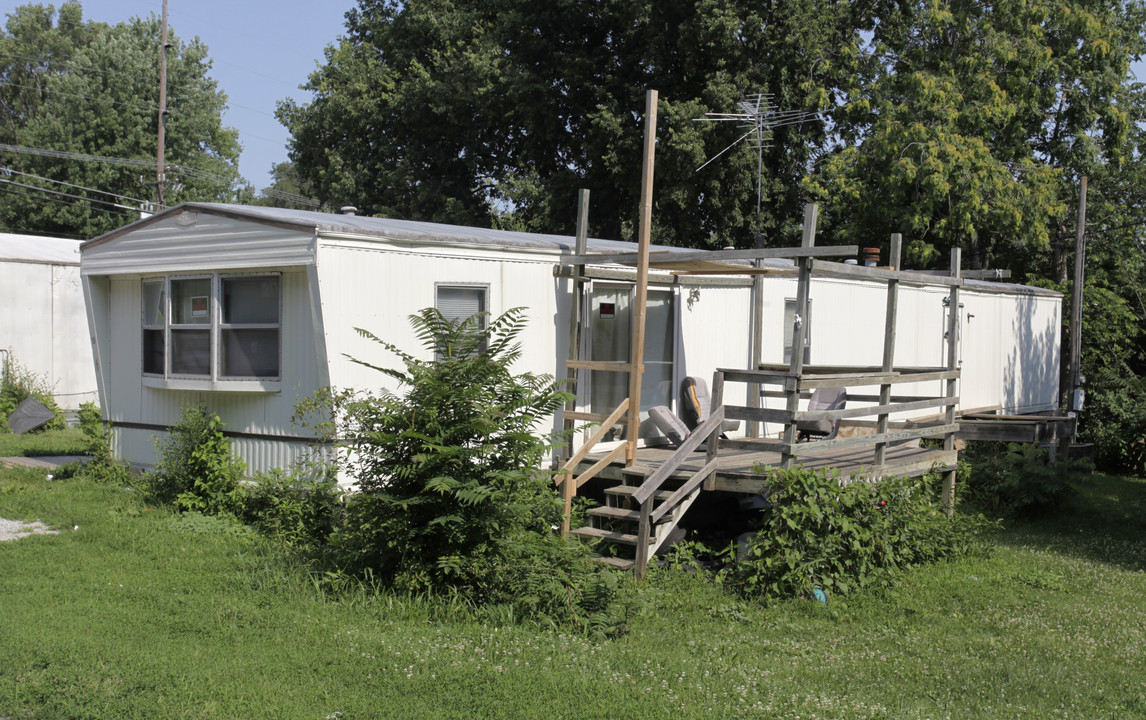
[
  {"x": 205, "y": 208},
  {"x": 87, "y": 269},
  {"x": 29, "y": 261},
  {"x": 436, "y": 242},
  {"x": 995, "y": 288}
]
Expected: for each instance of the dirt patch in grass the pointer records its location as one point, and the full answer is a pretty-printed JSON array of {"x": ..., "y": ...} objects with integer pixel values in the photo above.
[{"x": 16, "y": 529}]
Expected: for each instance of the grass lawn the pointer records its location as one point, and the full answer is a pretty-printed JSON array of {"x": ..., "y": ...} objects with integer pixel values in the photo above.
[
  {"x": 67, "y": 441},
  {"x": 133, "y": 612}
]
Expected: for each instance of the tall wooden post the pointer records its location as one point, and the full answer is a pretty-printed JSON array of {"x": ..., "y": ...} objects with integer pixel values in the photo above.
[
  {"x": 1075, "y": 367},
  {"x": 952, "y": 383},
  {"x": 577, "y": 295},
  {"x": 756, "y": 351},
  {"x": 799, "y": 331},
  {"x": 893, "y": 257},
  {"x": 160, "y": 179},
  {"x": 637, "y": 365}
]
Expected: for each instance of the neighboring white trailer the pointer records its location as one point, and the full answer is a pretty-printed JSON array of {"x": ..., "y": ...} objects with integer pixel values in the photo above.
[
  {"x": 43, "y": 326},
  {"x": 248, "y": 309}
]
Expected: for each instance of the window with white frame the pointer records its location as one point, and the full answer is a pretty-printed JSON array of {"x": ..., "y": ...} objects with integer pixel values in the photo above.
[
  {"x": 458, "y": 303},
  {"x": 212, "y": 327}
]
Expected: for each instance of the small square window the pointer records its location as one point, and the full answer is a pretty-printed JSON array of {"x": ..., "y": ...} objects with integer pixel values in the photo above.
[{"x": 459, "y": 303}]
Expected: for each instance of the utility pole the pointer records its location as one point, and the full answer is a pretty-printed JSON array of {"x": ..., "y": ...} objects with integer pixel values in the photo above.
[
  {"x": 160, "y": 180},
  {"x": 1074, "y": 381}
]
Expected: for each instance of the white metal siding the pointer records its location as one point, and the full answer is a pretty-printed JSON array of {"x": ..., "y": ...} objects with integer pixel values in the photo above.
[
  {"x": 212, "y": 243},
  {"x": 262, "y": 413},
  {"x": 44, "y": 325},
  {"x": 715, "y": 333},
  {"x": 377, "y": 288}
]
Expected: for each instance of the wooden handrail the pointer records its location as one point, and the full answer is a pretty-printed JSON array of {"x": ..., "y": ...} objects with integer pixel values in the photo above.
[
  {"x": 708, "y": 430},
  {"x": 653, "y": 482},
  {"x": 564, "y": 477},
  {"x": 595, "y": 438}
]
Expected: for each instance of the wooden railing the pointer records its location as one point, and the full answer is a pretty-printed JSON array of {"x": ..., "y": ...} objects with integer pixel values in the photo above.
[
  {"x": 708, "y": 431},
  {"x": 570, "y": 482},
  {"x": 793, "y": 386}
]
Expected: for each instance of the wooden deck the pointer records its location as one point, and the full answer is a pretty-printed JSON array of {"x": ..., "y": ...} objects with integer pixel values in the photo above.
[{"x": 735, "y": 467}]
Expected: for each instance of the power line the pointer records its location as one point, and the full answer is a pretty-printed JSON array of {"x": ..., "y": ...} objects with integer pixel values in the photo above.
[
  {"x": 77, "y": 95},
  {"x": 62, "y": 202},
  {"x": 64, "y": 194},
  {"x": 68, "y": 184},
  {"x": 125, "y": 162}
]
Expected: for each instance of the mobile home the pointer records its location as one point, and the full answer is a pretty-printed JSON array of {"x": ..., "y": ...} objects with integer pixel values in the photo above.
[
  {"x": 42, "y": 322},
  {"x": 247, "y": 309}
]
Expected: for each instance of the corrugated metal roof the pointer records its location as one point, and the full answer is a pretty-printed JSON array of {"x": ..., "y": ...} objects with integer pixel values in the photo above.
[
  {"x": 414, "y": 231},
  {"x": 37, "y": 249},
  {"x": 428, "y": 232}
]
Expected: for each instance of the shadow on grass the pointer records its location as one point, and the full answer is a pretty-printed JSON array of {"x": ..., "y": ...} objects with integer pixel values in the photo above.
[{"x": 1105, "y": 521}]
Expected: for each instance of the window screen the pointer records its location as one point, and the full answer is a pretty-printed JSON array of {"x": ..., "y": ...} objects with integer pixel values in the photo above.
[
  {"x": 458, "y": 303},
  {"x": 214, "y": 327},
  {"x": 154, "y": 323}
]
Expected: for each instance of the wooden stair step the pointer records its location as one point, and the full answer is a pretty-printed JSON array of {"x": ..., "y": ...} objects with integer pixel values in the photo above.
[
  {"x": 619, "y": 563},
  {"x": 614, "y": 513},
  {"x": 600, "y": 534},
  {"x": 628, "y": 490}
]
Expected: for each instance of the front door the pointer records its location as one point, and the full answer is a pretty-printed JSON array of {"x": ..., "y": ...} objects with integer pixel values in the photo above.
[{"x": 610, "y": 338}]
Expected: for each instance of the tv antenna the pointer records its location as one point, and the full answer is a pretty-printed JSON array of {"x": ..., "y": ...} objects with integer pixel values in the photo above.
[{"x": 760, "y": 116}]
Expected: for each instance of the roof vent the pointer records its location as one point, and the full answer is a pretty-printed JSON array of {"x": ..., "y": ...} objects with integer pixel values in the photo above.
[{"x": 348, "y": 210}]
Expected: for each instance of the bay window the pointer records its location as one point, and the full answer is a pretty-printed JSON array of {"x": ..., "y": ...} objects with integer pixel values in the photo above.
[{"x": 212, "y": 327}]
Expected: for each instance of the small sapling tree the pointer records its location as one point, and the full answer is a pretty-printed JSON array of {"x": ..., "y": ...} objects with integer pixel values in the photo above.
[{"x": 451, "y": 498}]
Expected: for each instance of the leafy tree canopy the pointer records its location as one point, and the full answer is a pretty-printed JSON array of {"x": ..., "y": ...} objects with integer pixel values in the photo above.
[
  {"x": 494, "y": 113},
  {"x": 92, "y": 88},
  {"x": 977, "y": 121}
]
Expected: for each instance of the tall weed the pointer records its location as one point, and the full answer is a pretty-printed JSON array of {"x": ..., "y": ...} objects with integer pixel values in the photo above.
[
  {"x": 196, "y": 470},
  {"x": 819, "y": 534},
  {"x": 1015, "y": 480}
]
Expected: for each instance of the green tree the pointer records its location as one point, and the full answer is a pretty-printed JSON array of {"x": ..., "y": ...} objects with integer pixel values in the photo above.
[
  {"x": 90, "y": 88},
  {"x": 976, "y": 122},
  {"x": 494, "y": 113}
]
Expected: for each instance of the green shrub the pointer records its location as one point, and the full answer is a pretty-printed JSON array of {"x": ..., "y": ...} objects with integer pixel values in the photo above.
[
  {"x": 17, "y": 384},
  {"x": 104, "y": 467},
  {"x": 196, "y": 470},
  {"x": 451, "y": 499},
  {"x": 300, "y": 508},
  {"x": 819, "y": 534},
  {"x": 1015, "y": 480}
]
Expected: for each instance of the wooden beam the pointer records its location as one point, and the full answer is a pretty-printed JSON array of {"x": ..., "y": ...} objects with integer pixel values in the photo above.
[
  {"x": 596, "y": 438},
  {"x": 682, "y": 492},
  {"x": 881, "y": 410},
  {"x": 576, "y": 298},
  {"x": 993, "y": 274},
  {"x": 578, "y": 416},
  {"x": 644, "y": 233},
  {"x": 952, "y": 382},
  {"x": 599, "y": 466},
  {"x": 799, "y": 327},
  {"x": 823, "y": 267},
  {"x": 811, "y": 448},
  {"x": 860, "y": 380},
  {"x": 713, "y": 255},
  {"x": 894, "y": 253},
  {"x": 602, "y": 365},
  {"x": 653, "y": 482}
]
